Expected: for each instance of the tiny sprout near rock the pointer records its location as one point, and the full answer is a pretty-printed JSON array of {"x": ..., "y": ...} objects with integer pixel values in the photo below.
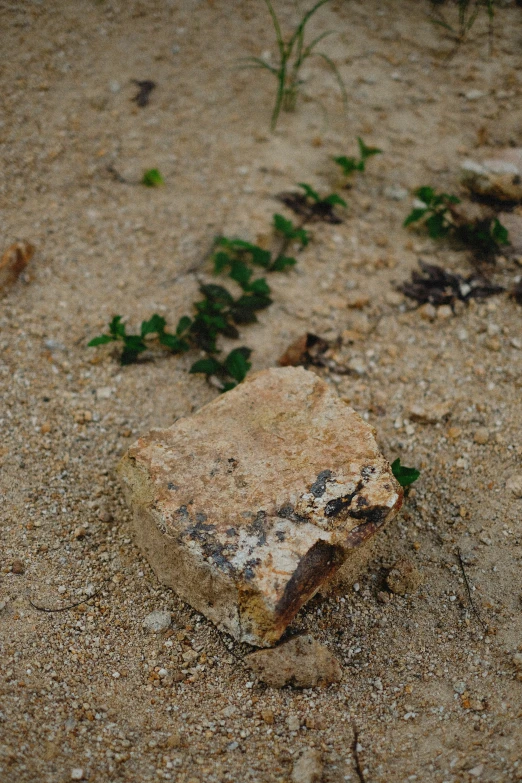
[{"x": 152, "y": 178}]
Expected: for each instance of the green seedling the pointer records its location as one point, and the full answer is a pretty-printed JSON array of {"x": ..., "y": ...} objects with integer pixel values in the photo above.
[
  {"x": 483, "y": 237},
  {"x": 434, "y": 212},
  {"x": 313, "y": 196},
  {"x": 467, "y": 13},
  {"x": 293, "y": 52},
  {"x": 350, "y": 165},
  {"x": 290, "y": 232},
  {"x": 235, "y": 367},
  {"x": 237, "y": 257},
  {"x": 134, "y": 344},
  {"x": 152, "y": 178},
  {"x": 405, "y": 476}
]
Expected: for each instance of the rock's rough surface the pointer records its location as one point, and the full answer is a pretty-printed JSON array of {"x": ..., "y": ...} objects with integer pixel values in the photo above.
[
  {"x": 248, "y": 506},
  {"x": 301, "y": 662}
]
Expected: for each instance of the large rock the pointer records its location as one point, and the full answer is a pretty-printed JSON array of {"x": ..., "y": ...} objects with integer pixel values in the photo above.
[
  {"x": 248, "y": 506},
  {"x": 301, "y": 662},
  {"x": 499, "y": 178}
]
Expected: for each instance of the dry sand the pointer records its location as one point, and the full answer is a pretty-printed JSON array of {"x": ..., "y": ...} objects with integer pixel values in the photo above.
[{"x": 89, "y": 691}]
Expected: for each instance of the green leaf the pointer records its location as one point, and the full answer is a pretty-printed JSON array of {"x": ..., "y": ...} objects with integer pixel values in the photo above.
[
  {"x": 415, "y": 214},
  {"x": 237, "y": 364},
  {"x": 367, "y": 152},
  {"x": 184, "y": 323},
  {"x": 208, "y": 367},
  {"x": 152, "y": 178},
  {"x": 216, "y": 293},
  {"x": 309, "y": 191},
  {"x": 240, "y": 272},
  {"x": 426, "y": 195},
  {"x": 258, "y": 256},
  {"x": 156, "y": 325},
  {"x": 437, "y": 225},
  {"x": 499, "y": 233},
  {"x": 259, "y": 286},
  {"x": 288, "y": 230},
  {"x": 282, "y": 262},
  {"x": 173, "y": 343},
  {"x": 228, "y": 386},
  {"x": 101, "y": 340},
  {"x": 348, "y": 165},
  {"x": 333, "y": 199},
  {"x": 221, "y": 261},
  {"x": 116, "y": 327},
  {"x": 405, "y": 476}
]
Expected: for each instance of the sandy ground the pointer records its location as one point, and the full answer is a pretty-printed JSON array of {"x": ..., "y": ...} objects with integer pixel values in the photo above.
[{"x": 434, "y": 697}]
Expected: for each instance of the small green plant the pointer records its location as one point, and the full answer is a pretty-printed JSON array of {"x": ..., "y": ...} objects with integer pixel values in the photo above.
[
  {"x": 350, "y": 165},
  {"x": 405, "y": 476},
  {"x": 435, "y": 211},
  {"x": 467, "y": 13},
  {"x": 483, "y": 237},
  {"x": 152, "y": 178},
  {"x": 292, "y": 54},
  {"x": 289, "y": 231},
  {"x": 134, "y": 344},
  {"x": 235, "y": 367}
]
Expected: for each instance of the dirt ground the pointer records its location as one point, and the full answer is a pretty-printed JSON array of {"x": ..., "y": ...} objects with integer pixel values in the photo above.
[{"x": 431, "y": 687}]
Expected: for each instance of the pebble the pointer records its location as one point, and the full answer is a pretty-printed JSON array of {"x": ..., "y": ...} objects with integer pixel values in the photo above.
[
  {"x": 308, "y": 768},
  {"x": 77, "y": 773},
  {"x": 403, "y": 578},
  {"x": 157, "y": 621},
  {"x": 428, "y": 312},
  {"x": 481, "y": 436},
  {"x": 301, "y": 662},
  {"x": 514, "y": 485},
  {"x": 476, "y": 771},
  {"x": 459, "y": 687},
  {"x": 17, "y": 567},
  {"x": 293, "y": 723}
]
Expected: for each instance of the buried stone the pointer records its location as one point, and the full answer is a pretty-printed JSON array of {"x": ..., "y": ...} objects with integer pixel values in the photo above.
[{"x": 249, "y": 505}]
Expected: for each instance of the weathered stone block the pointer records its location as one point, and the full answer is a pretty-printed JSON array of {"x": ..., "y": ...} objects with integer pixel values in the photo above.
[{"x": 246, "y": 507}]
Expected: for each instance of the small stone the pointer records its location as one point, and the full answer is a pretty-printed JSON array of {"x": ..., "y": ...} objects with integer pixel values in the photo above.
[
  {"x": 77, "y": 773},
  {"x": 428, "y": 311},
  {"x": 454, "y": 433},
  {"x": 517, "y": 661},
  {"x": 444, "y": 312},
  {"x": 105, "y": 516},
  {"x": 474, "y": 95},
  {"x": 396, "y": 192},
  {"x": 459, "y": 687},
  {"x": 13, "y": 263},
  {"x": 500, "y": 178},
  {"x": 104, "y": 392},
  {"x": 403, "y": 578},
  {"x": 17, "y": 567},
  {"x": 476, "y": 771},
  {"x": 481, "y": 436},
  {"x": 514, "y": 485},
  {"x": 45, "y": 428},
  {"x": 268, "y": 716},
  {"x": 247, "y": 535},
  {"x": 80, "y": 532},
  {"x": 357, "y": 301},
  {"x": 383, "y": 597},
  {"x": 293, "y": 723},
  {"x": 301, "y": 662},
  {"x": 308, "y": 768},
  {"x": 430, "y": 413},
  {"x": 174, "y": 740},
  {"x": 157, "y": 621}
]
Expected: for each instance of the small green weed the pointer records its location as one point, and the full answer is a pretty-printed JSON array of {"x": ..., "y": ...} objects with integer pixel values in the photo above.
[
  {"x": 152, "y": 178},
  {"x": 435, "y": 211},
  {"x": 467, "y": 13},
  {"x": 292, "y": 54},
  {"x": 235, "y": 367},
  {"x": 482, "y": 237},
  {"x": 134, "y": 344},
  {"x": 405, "y": 476},
  {"x": 350, "y": 165}
]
